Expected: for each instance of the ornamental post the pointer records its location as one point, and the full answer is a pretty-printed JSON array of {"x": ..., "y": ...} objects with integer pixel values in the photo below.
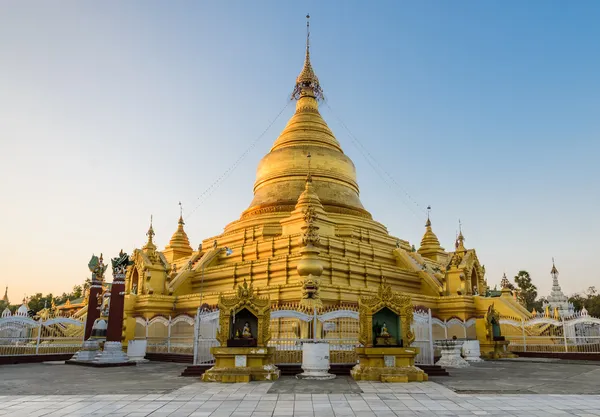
[
  {"x": 117, "y": 298},
  {"x": 97, "y": 268}
]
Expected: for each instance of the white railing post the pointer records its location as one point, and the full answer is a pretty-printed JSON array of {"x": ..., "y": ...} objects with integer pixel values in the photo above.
[
  {"x": 196, "y": 336},
  {"x": 465, "y": 328},
  {"x": 445, "y": 329},
  {"x": 430, "y": 322},
  {"x": 565, "y": 335},
  {"x": 524, "y": 337},
  {"x": 39, "y": 336},
  {"x": 169, "y": 336}
]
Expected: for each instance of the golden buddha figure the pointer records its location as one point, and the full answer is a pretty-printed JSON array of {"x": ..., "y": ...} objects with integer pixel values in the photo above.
[
  {"x": 384, "y": 331},
  {"x": 246, "y": 333}
]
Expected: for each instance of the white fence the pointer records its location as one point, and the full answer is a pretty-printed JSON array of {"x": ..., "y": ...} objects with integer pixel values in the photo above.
[
  {"x": 290, "y": 326},
  {"x": 22, "y": 335},
  {"x": 577, "y": 334}
]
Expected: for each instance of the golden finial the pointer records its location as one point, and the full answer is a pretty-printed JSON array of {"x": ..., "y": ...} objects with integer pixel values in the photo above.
[
  {"x": 428, "y": 224},
  {"x": 307, "y": 82},
  {"x": 150, "y": 232},
  {"x": 308, "y": 176},
  {"x": 460, "y": 239},
  {"x": 181, "y": 214}
]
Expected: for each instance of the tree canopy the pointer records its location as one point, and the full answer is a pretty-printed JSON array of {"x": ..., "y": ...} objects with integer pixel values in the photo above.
[
  {"x": 590, "y": 300},
  {"x": 528, "y": 290}
]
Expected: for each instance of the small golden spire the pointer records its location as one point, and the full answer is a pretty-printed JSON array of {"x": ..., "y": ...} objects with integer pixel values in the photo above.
[
  {"x": 307, "y": 82},
  {"x": 428, "y": 224},
  {"x": 181, "y": 214},
  {"x": 150, "y": 232},
  {"x": 460, "y": 239},
  {"x": 309, "y": 175},
  {"x": 150, "y": 244}
]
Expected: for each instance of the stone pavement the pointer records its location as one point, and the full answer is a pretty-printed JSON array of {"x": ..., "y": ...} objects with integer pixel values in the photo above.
[
  {"x": 58, "y": 378},
  {"x": 155, "y": 389},
  {"x": 253, "y": 400},
  {"x": 291, "y": 385},
  {"x": 525, "y": 377}
]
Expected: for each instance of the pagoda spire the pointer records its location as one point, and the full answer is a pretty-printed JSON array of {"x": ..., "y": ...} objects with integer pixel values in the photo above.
[
  {"x": 5, "y": 298},
  {"x": 150, "y": 233},
  {"x": 460, "y": 240},
  {"x": 307, "y": 82},
  {"x": 430, "y": 244},
  {"x": 179, "y": 245}
]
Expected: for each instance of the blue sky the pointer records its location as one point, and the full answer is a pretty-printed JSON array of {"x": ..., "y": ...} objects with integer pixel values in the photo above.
[{"x": 113, "y": 111}]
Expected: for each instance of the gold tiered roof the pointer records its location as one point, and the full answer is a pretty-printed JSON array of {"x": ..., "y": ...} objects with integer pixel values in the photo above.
[
  {"x": 281, "y": 174},
  {"x": 179, "y": 245},
  {"x": 430, "y": 244}
]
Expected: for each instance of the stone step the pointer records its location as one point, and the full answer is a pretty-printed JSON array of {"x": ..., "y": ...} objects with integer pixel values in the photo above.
[
  {"x": 434, "y": 370},
  {"x": 195, "y": 370},
  {"x": 169, "y": 357}
]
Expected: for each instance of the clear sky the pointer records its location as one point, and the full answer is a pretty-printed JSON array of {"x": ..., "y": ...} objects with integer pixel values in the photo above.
[{"x": 112, "y": 111}]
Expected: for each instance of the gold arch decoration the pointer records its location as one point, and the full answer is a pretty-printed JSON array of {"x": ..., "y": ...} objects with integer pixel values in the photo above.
[
  {"x": 369, "y": 305},
  {"x": 245, "y": 298}
]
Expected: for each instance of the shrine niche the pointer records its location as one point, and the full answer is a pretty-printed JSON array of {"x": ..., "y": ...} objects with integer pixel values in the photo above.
[
  {"x": 389, "y": 308},
  {"x": 245, "y": 309},
  {"x": 243, "y": 329},
  {"x": 244, "y": 332},
  {"x": 385, "y": 320}
]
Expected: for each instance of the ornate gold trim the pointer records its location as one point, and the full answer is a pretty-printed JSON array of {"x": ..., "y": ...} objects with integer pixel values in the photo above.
[
  {"x": 245, "y": 298},
  {"x": 368, "y": 305}
]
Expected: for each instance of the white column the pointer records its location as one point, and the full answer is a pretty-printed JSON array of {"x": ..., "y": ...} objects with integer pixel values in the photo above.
[
  {"x": 430, "y": 323},
  {"x": 196, "y": 336},
  {"x": 39, "y": 335},
  {"x": 524, "y": 336},
  {"x": 565, "y": 334},
  {"x": 169, "y": 336}
]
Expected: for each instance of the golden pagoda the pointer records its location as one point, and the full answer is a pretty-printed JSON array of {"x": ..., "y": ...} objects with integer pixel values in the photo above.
[{"x": 306, "y": 238}]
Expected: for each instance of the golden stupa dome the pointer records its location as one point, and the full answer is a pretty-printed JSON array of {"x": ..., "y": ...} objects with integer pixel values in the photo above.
[
  {"x": 180, "y": 238},
  {"x": 281, "y": 174},
  {"x": 430, "y": 240},
  {"x": 430, "y": 244}
]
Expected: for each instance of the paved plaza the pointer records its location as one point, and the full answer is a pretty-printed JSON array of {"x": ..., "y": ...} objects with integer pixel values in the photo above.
[{"x": 155, "y": 389}]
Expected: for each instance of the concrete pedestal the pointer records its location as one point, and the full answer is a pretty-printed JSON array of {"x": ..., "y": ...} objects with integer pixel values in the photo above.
[
  {"x": 451, "y": 355},
  {"x": 89, "y": 350},
  {"x": 387, "y": 365},
  {"x": 112, "y": 354},
  {"x": 496, "y": 349},
  {"x": 136, "y": 350},
  {"x": 242, "y": 364},
  {"x": 471, "y": 351},
  {"x": 315, "y": 361}
]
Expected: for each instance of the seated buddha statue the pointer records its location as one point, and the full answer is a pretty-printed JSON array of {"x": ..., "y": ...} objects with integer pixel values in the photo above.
[
  {"x": 384, "y": 331},
  {"x": 246, "y": 333}
]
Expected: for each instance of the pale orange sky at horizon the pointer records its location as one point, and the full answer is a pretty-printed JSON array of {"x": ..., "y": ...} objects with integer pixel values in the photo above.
[{"x": 114, "y": 112}]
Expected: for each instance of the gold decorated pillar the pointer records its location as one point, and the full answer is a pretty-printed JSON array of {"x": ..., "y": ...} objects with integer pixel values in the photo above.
[
  {"x": 386, "y": 355},
  {"x": 243, "y": 355}
]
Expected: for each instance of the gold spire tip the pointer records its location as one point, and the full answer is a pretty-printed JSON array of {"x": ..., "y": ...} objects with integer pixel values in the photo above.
[
  {"x": 307, "y": 83},
  {"x": 180, "y": 213}
]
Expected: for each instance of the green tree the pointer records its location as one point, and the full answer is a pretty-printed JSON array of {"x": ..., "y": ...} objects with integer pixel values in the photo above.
[
  {"x": 77, "y": 292},
  {"x": 527, "y": 288},
  {"x": 38, "y": 302},
  {"x": 578, "y": 301}
]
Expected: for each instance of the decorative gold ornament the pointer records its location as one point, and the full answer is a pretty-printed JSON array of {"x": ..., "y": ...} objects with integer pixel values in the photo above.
[
  {"x": 245, "y": 298},
  {"x": 400, "y": 304}
]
